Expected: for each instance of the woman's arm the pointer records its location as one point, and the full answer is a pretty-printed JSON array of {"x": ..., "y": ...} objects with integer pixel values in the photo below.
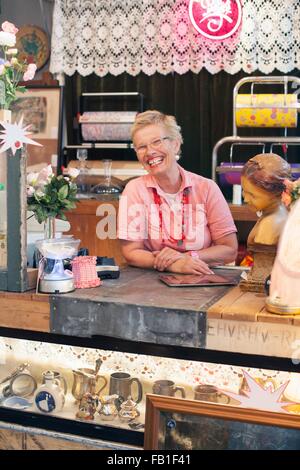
[
  {"x": 136, "y": 255},
  {"x": 223, "y": 251}
]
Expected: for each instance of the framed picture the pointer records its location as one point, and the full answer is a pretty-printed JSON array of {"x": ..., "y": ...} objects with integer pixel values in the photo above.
[
  {"x": 41, "y": 109},
  {"x": 176, "y": 423}
]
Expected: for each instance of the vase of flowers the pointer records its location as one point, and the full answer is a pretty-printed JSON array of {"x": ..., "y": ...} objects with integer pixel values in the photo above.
[
  {"x": 12, "y": 71},
  {"x": 48, "y": 196}
]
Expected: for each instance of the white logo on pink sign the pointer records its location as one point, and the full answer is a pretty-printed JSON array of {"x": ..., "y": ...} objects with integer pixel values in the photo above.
[{"x": 215, "y": 19}]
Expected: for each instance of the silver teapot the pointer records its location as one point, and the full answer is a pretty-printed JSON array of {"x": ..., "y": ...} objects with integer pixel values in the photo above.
[{"x": 128, "y": 410}]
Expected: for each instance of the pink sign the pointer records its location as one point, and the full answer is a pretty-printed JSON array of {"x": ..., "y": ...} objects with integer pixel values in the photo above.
[{"x": 215, "y": 19}]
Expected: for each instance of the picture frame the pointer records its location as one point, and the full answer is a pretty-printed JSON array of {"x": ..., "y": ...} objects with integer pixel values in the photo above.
[
  {"x": 41, "y": 109},
  {"x": 177, "y": 423}
]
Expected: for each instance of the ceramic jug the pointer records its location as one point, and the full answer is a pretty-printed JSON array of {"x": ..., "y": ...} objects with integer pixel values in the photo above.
[{"x": 49, "y": 396}]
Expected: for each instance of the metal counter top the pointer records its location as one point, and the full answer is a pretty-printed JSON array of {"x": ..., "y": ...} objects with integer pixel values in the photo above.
[{"x": 136, "y": 307}]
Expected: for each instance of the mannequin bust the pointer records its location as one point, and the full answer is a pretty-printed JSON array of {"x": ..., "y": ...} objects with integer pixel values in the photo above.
[{"x": 263, "y": 183}]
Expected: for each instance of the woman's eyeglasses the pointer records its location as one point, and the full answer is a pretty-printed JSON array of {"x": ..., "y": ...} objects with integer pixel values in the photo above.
[{"x": 155, "y": 144}]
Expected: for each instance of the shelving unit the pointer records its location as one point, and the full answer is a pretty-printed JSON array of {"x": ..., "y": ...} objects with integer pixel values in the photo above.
[{"x": 97, "y": 150}]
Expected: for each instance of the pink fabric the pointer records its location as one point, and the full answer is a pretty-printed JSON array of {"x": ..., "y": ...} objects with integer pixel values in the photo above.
[
  {"x": 106, "y": 132},
  {"x": 208, "y": 216},
  {"x": 84, "y": 271}
]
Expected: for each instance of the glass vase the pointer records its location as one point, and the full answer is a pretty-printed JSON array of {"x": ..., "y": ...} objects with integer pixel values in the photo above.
[
  {"x": 49, "y": 227},
  {"x": 5, "y": 115}
]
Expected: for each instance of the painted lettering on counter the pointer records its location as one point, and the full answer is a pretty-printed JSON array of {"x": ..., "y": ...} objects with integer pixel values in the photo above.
[
  {"x": 240, "y": 331},
  {"x": 249, "y": 335},
  {"x": 244, "y": 331}
]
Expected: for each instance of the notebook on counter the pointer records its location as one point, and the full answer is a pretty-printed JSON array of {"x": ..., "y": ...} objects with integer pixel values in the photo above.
[{"x": 192, "y": 280}]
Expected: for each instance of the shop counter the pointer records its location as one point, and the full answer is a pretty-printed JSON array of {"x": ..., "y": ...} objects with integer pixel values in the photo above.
[
  {"x": 138, "y": 307},
  {"x": 139, "y": 325}
]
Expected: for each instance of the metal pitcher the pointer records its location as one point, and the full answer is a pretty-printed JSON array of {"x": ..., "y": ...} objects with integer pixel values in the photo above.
[{"x": 85, "y": 381}]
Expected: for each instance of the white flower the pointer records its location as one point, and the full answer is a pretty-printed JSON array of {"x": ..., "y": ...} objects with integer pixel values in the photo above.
[
  {"x": 7, "y": 39},
  {"x": 32, "y": 178},
  {"x": 30, "y": 191},
  {"x": 39, "y": 193},
  {"x": 11, "y": 51},
  {"x": 73, "y": 173},
  {"x": 45, "y": 175}
]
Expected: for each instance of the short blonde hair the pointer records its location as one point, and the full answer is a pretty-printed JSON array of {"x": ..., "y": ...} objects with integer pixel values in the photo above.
[{"x": 156, "y": 117}]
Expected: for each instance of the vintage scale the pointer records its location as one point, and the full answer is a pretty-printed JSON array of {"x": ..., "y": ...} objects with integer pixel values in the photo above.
[{"x": 53, "y": 278}]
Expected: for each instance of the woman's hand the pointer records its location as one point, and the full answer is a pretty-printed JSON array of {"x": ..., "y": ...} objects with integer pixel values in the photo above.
[
  {"x": 188, "y": 265},
  {"x": 165, "y": 257}
]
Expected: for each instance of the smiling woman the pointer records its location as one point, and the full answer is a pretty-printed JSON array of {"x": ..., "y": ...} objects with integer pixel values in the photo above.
[{"x": 172, "y": 219}]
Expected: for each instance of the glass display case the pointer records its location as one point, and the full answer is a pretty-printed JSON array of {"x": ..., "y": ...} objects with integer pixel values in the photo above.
[{"x": 81, "y": 386}]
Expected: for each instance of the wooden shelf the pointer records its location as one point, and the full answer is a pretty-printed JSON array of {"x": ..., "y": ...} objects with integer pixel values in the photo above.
[
  {"x": 84, "y": 220},
  {"x": 242, "y": 213}
]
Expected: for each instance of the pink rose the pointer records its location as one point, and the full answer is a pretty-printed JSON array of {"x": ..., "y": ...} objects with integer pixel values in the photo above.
[
  {"x": 286, "y": 198},
  {"x": 9, "y": 27},
  {"x": 30, "y": 72}
]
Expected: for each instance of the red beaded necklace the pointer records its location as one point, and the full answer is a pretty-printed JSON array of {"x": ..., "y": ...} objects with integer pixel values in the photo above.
[{"x": 184, "y": 201}]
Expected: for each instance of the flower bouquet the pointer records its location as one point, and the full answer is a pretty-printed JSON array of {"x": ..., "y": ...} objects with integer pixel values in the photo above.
[
  {"x": 49, "y": 195},
  {"x": 11, "y": 69}
]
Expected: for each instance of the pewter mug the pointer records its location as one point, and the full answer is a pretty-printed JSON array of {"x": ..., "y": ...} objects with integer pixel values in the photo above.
[
  {"x": 121, "y": 385},
  {"x": 211, "y": 393},
  {"x": 85, "y": 381},
  {"x": 167, "y": 387}
]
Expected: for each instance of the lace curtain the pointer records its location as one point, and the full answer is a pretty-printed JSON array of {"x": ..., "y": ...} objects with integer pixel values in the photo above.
[{"x": 133, "y": 36}]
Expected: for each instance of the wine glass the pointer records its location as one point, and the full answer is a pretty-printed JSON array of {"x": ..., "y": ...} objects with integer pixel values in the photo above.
[{"x": 82, "y": 155}]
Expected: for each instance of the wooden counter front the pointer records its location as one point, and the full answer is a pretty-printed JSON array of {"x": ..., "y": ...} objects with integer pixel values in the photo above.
[{"x": 26, "y": 311}]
